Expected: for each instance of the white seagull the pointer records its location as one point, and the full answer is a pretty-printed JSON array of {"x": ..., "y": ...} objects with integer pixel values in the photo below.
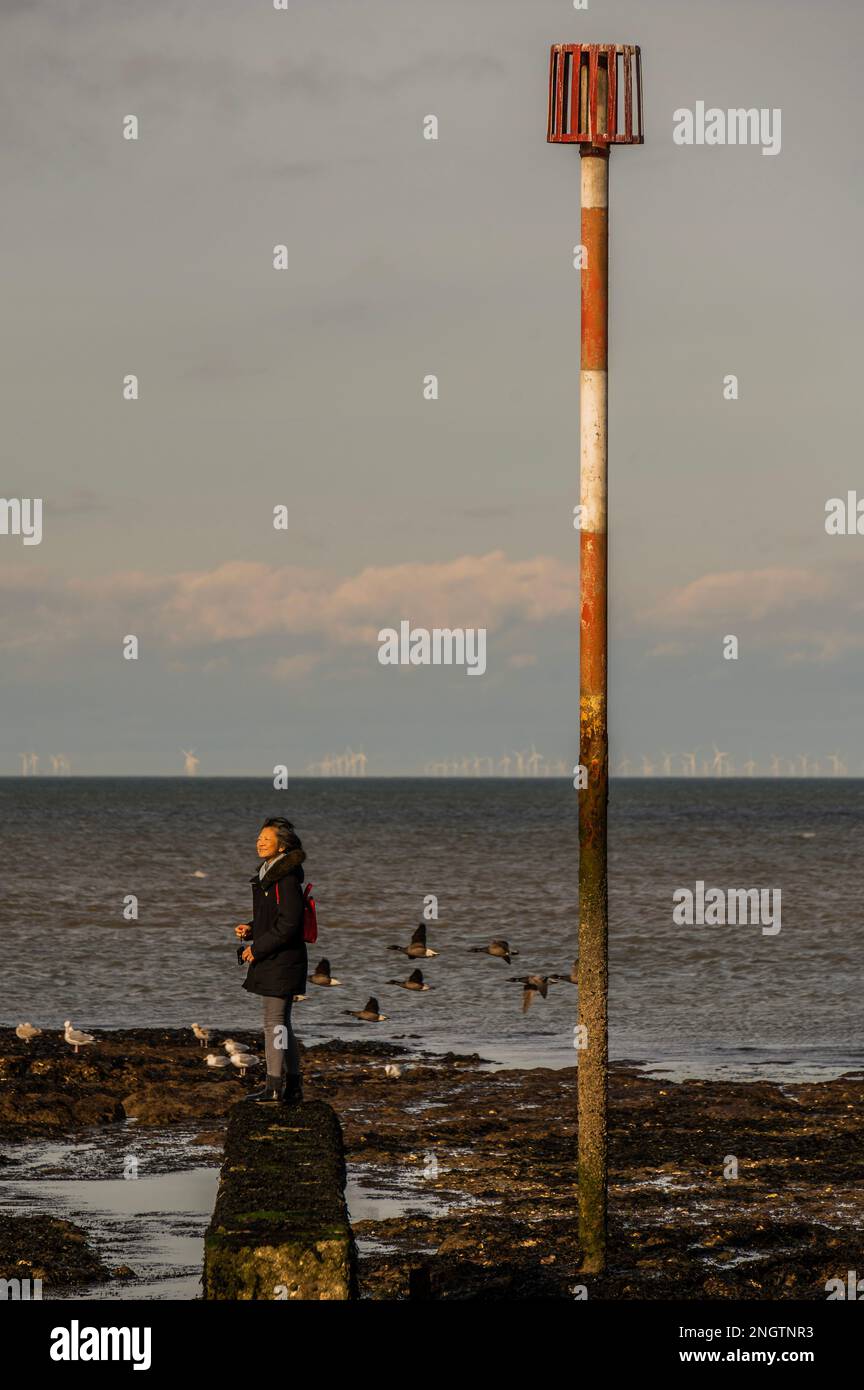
[
  {"x": 75, "y": 1038},
  {"x": 26, "y": 1031},
  {"x": 244, "y": 1060},
  {"x": 230, "y": 1045},
  {"x": 213, "y": 1059}
]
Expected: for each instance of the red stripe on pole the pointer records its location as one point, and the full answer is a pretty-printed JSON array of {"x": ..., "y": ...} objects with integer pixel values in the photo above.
[
  {"x": 592, "y": 617},
  {"x": 595, "y": 239}
]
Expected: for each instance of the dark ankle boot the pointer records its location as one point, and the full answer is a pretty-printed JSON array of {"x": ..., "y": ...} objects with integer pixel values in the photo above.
[
  {"x": 271, "y": 1093},
  {"x": 293, "y": 1092}
]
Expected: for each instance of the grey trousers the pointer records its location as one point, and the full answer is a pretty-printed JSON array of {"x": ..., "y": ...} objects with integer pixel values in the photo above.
[{"x": 280, "y": 1048}]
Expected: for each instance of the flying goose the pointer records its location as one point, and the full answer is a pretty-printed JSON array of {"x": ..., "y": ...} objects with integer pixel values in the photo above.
[
  {"x": 371, "y": 1013},
  {"x": 495, "y": 948},
  {"x": 418, "y": 948},
  {"x": 414, "y": 981},
  {"x": 322, "y": 974}
]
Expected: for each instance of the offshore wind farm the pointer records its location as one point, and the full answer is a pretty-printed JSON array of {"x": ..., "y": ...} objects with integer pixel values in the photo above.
[{"x": 701, "y": 763}]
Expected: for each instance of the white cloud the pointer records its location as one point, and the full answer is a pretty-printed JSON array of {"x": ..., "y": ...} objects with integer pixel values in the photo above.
[{"x": 243, "y": 601}]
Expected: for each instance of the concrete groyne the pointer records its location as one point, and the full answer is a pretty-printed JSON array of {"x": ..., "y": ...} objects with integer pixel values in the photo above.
[{"x": 280, "y": 1227}]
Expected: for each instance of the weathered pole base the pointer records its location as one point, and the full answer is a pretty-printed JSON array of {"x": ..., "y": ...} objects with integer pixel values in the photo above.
[
  {"x": 593, "y": 1060},
  {"x": 280, "y": 1227}
]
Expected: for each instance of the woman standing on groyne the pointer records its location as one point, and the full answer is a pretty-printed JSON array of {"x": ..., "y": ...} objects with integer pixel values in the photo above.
[{"x": 276, "y": 954}]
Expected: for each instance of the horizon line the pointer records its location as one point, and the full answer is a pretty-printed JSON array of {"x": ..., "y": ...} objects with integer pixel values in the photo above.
[{"x": 420, "y": 777}]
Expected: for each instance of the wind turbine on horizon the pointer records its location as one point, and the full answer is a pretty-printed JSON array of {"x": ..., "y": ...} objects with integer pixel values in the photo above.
[
  {"x": 191, "y": 763},
  {"x": 719, "y": 760},
  {"x": 533, "y": 762}
]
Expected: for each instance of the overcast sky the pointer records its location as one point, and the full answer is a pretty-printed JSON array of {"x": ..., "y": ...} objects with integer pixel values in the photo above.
[{"x": 303, "y": 387}]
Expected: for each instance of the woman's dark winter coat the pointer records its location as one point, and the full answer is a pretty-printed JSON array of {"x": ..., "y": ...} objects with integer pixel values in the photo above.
[{"x": 280, "y": 962}]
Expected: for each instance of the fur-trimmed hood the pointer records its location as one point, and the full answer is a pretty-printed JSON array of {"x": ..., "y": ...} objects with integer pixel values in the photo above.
[{"x": 288, "y": 863}]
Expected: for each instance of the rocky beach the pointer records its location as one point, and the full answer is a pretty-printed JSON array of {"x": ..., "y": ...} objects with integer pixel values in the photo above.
[{"x": 461, "y": 1176}]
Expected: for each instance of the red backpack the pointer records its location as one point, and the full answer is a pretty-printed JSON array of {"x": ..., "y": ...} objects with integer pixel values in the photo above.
[{"x": 310, "y": 914}]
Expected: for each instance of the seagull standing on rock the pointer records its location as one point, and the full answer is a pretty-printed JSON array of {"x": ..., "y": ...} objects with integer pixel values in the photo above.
[
  {"x": 214, "y": 1059},
  {"x": 244, "y": 1060},
  {"x": 26, "y": 1032},
  {"x": 202, "y": 1034},
  {"x": 75, "y": 1038},
  {"x": 232, "y": 1047}
]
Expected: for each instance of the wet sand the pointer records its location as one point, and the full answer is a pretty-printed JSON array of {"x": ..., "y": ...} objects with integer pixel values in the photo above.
[{"x": 462, "y": 1178}]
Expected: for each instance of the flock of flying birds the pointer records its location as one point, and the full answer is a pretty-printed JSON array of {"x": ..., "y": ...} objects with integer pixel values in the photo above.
[
  {"x": 417, "y": 949},
  {"x": 238, "y": 1055}
]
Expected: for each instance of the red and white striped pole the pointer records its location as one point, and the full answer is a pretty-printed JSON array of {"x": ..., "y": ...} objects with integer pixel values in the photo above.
[
  {"x": 584, "y": 99},
  {"x": 593, "y": 983}
]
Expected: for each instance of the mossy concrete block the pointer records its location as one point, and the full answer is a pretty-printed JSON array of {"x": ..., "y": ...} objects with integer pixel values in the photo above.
[{"x": 280, "y": 1227}]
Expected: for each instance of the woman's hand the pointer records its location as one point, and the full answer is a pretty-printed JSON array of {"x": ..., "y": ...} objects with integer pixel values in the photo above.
[
  {"x": 247, "y": 955},
  {"x": 242, "y": 930}
]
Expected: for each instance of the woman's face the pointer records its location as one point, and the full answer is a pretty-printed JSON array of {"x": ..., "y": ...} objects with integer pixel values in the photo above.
[{"x": 268, "y": 843}]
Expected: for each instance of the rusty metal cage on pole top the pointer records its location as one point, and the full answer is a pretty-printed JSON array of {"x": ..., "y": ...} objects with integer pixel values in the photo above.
[{"x": 595, "y": 94}]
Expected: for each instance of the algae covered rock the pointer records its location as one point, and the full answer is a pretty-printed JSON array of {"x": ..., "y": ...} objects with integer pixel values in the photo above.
[
  {"x": 45, "y": 1109},
  {"x": 165, "y": 1105},
  {"x": 280, "y": 1227},
  {"x": 47, "y": 1248}
]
